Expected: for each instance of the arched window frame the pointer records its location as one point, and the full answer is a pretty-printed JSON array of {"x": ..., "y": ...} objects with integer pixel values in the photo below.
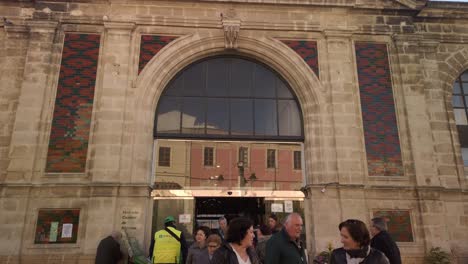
[
  {"x": 460, "y": 109},
  {"x": 278, "y": 137}
]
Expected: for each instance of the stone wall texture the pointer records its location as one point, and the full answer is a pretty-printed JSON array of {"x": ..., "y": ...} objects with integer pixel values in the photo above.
[{"x": 142, "y": 45}]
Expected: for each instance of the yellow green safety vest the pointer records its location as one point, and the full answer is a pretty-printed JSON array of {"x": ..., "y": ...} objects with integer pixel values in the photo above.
[{"x": 166, "y": 247}]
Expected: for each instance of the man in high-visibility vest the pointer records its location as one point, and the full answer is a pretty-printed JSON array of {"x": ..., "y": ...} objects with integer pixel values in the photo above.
[{"x": 169, "y": 245}]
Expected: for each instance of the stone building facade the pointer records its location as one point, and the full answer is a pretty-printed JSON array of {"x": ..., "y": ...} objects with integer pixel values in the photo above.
[{"x": 81, "y": 81}]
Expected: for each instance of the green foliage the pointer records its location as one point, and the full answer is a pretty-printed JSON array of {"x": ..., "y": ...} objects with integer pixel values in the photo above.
[
  {"x": 437, "y": 256},
  {"x": 324, "y": 256}
]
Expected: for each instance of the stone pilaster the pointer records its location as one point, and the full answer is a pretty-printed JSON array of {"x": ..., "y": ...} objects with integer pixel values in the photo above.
[
  {"x": 111, "y": 100},
  {"x": 15, "y": 44},
  {"x": 344, "y": 96},
  {"x": 36, "y": 78},
  {"x": 436, "y": 101},
  {"x": 414, "y": 69},
  {"x": 412, "y": 78}
]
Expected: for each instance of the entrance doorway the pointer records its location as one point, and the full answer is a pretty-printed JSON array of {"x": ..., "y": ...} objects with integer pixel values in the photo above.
[{"x": 209, "y": 209}]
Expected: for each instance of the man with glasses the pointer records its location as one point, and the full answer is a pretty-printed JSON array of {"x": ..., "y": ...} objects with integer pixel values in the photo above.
[{"x": 382, "y": 241}]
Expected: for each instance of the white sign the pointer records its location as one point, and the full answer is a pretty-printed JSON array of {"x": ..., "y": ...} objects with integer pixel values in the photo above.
[
  {"x": 288, "y": 206},
  {"x": 277, "y": 207},
  {"x": 67, "y": 230},
  {"x": 185, "y": 218}
]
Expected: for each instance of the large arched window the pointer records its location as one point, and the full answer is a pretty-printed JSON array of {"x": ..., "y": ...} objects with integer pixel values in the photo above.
[
  {"x": 231, "y": 98},
  {"x": 460, "y": 108}
]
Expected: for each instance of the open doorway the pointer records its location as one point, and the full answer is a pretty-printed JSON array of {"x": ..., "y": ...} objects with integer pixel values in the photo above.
[{"x": 209, "y": 209}]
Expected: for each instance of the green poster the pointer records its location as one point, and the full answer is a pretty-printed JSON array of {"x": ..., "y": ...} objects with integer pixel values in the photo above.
[{"x": 53, "y": 231}]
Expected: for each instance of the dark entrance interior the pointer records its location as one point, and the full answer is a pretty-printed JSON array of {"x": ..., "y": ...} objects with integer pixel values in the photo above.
[{"x": 209, "y": 209}]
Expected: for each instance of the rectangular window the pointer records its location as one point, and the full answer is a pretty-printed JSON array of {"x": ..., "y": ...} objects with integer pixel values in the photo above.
[
  {"x": 271, "y": 158},
  {"x": 244, "y": 155},
  {"x": 208, "y": 156},
  {"x": 164, "y": 157},
  {"x": 297, "y": 160}
]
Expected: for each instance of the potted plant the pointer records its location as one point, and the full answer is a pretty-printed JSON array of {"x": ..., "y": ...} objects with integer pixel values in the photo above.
[{"x": 437, "y": 256}]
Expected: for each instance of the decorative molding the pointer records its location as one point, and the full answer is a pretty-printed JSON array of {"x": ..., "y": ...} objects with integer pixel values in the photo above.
[
  {"x": 42, "y": 25},
  {"x": 231, "y": 27},
  {"x": 429, "y": 46},
  {"x": 16, "y": 29},
  {"x": 413, "y": 4},
  {"x": 123, "y": 26}
]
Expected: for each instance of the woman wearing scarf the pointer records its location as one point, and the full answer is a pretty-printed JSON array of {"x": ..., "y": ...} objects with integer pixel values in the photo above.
[
  {"x": 356, "y": 250},
  {"x": 238, "y": 248}
]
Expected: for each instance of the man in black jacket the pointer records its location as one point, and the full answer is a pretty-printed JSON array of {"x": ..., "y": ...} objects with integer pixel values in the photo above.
[
  {"x": 382, "y": 241},
  {"x": 286, "y": 247},
  {"x": 108, "y": 251}
]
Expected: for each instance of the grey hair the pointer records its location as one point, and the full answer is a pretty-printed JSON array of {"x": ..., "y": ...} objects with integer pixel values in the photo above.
[
  {"x": 222, "y": 218},
  {"x": 117, "y": 235},
  {"x": 290, "y": 216},
  {"x": 379, "y": 223}
]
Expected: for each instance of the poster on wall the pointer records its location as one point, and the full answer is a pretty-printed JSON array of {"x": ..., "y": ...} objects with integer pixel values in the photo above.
[
  {"x": 288, "y": 206},
  {"x": 67, "y": 230},
  {"x": 277, "y": 207},
  {"x": 185, "y": 218},
  {"x": 57, "y": 226}
]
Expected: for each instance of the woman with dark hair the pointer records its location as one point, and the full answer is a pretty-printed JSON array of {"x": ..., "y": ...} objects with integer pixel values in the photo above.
[
  {"x": 198, "y": 246},
  {"x": 356, "y": 250},
  {"x": 274, "y": 224},
  {"x": 238, "y": 247}
]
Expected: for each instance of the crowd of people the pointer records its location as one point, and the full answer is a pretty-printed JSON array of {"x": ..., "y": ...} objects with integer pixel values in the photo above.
[{"x": 237, "y": 242}]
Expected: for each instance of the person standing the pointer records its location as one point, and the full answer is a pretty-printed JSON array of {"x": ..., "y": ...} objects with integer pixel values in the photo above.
[
  {"x": 238, "y": 248},
  {"x": 213, "y": 242},
  {"x": 274, "y": 224},
  {"x": 223, "y": 227},
  {"x": 263, "y": 234},
  {"x": 198, "y": 246},
  {"x": 382, "y": 240},
  {"x": 356, "y": 250},
  {"x": 169, "y": 244},
  {"x": 286, "y": 247},
  {"x": 108, "y": 250}
]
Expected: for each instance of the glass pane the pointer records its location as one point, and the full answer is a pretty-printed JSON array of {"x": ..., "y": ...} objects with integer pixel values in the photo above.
[
  {"x": 283, "y": 90},
  {"x": 456, "y": 88},
  {"x": 289, "y": 118},
  {"x": 464, "y": 87},
  {"x": 176, "y": 87},
  {"x": 193, "y": 117},
  {"x": 265, "y": 117},
  {"x": 168, "y": 115},
  {"x": 465, "y": 156},
  {"x": 457, "y": 101},
  {"x": 194, "y": 80},
  {"x": 460, "y": 116},
  {"x": 241, "y": 117},
  {"x": 217, "y": 77},
  {"x": 217, "y": 116},
  {"x": 464, "y": 76},
  {"x": 241, "y": 78},
  {"x": 264, "y": 82}
]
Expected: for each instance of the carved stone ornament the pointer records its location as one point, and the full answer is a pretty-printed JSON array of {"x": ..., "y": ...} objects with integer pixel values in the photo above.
[{"x": 231, "y": 27}]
